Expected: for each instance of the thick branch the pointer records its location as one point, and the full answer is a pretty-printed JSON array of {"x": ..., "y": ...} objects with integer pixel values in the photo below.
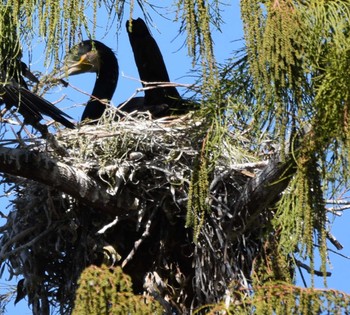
[
  {"x": 38, "y": 166},
  {"x": 262, "y": 191}
]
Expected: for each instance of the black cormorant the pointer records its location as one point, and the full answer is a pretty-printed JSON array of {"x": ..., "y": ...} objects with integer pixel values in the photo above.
[
  {"x": 14, "y": 92},
  {"x": 93, "y": 56}
]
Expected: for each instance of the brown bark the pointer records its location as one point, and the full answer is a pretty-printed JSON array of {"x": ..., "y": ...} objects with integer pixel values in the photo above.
[
  {"x": 263, "y": 190},
  {"x": 40, "y": 167}
]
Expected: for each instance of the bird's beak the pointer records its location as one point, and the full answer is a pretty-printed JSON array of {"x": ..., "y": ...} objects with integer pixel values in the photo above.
[
  {"x": 72, "y": 66},
  {"x": 88, "y": 62}
]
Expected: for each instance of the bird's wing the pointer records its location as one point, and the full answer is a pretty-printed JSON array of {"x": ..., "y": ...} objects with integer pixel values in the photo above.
[
  {"x": 150, "y": 63},
  {"x": 31, "y": 105}
]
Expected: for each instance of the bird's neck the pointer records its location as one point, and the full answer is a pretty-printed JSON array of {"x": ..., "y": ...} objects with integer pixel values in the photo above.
[
  {"x": 105, "y": 85},
  {"x": 102, "y": 93}
]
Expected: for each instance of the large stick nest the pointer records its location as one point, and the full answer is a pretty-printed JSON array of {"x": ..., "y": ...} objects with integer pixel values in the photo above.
[{"x": 50, "y": 237}]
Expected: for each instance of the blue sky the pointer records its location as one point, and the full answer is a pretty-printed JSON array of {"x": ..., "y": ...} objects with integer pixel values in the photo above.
[{"x": 179, "y": 67}]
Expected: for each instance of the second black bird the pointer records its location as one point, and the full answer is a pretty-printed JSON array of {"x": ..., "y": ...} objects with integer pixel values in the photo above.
[{"x": 14, "y": 92}]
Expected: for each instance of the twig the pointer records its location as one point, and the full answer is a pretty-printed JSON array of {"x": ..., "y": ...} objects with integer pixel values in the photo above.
[
  {"x": 334, "y": 252},
  {"x": 340, "y": 208},
  {"x": 4, "y": 254},
  {"x": 107, "y": 226},
  {"x": 144, "y": 235},
  {"x": 337, "y": 253},
  {"x": 334, "y": 241},
  {"x": 244, "y": 166},
  {"x": 159, "y": 84},
  {"x": 338, "y": 202},
  {"x": 309, "y": 270}
]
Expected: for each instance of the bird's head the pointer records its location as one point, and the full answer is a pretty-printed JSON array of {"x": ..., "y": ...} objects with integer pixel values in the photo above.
[
  {"x": 83, "y": 57},
  {"x": 90, "y": 56}
]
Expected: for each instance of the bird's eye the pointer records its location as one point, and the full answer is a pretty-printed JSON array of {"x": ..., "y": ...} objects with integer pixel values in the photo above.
[
  {"x": 76, "y": 58},
  {"x": 93, "y": 58}
]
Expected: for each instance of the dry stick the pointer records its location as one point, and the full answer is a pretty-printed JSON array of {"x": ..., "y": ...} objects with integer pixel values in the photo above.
[
  {"x": 23, "y": 126},
  {"x": 337, "y": 253},
  {"x": 108, "y": 226},
  {"x": 338, "y": 202},
  {"x": 334, "y": 241},
  {"x": 118, "y": 109},
  {"x": 19, "y": 236},
  {"x": 309, "y": 270},
  {"x": 140, "y": 240},
  {"x": 40, "y": 167},
  {"x": 88, "y": 94},
  {"x": 159, "y": 84}
]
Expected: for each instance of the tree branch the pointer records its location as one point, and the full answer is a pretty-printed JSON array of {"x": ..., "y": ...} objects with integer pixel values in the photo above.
[
  {"x": 39, "y": 167},
  {"x": 261, "y": 191}
]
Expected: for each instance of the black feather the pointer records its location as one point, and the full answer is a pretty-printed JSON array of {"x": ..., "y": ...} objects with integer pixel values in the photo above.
[{"x": 15, "y": 93}]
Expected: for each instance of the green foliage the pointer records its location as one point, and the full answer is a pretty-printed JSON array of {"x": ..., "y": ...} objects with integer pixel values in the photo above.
[
  {"x": 298, "y": 54},
  {"x": 275, "y": 53},
  {"x": 55, "y": 25},
  {"x": 58, "y": 28},
  {"x": 293, "y": 80},
  {"x": 196, "y": 17},
  {"x": 328, "y": 33},
  {"x": 10, "y": 50},
  {"x": 298, "y": 58},
  {"x": 104, "y": 290},
  {"x": 282, "y": 298},
  {"x": 301, "y": 213},
  {"x": 198, "y": 197}
]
